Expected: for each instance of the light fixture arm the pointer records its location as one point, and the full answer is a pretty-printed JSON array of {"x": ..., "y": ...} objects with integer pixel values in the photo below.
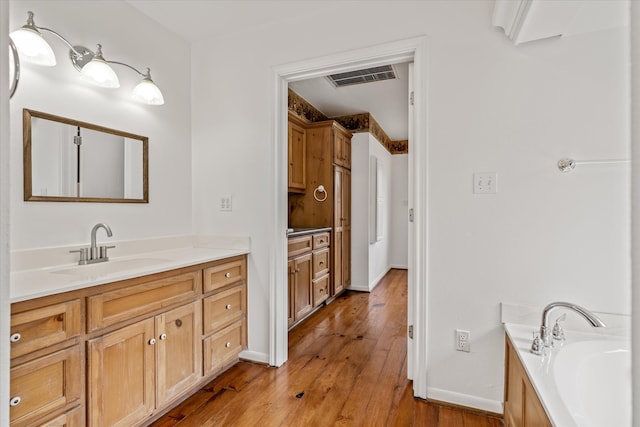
[
  {"x": 16, "y": 69},
  {"x": 55, "y": 33},
  {"x": 145, "y": 75}
]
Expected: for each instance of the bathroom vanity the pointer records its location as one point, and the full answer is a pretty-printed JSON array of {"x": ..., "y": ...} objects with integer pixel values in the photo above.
[{"x": 122, "y": 352}]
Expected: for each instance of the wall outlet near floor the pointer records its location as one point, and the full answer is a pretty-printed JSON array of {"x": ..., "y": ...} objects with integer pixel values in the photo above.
[
  {"x": 225, "y": 204},
  {"x": 463, "y": 339}
]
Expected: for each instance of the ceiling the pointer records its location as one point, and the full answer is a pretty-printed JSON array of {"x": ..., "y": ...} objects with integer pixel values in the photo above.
[{"x": 386, "y": 101}]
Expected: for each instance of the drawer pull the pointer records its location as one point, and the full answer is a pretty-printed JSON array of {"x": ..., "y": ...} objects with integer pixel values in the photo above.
[
  {"x": 15, "y": 337},
  {"x": 152, "y": 341},
  {"x": 321, "y": 262},
  {"x": 228, "y": 344},
  {"x": 228, "y": 306},
  {"x": 227, "y": 275},
  {"x": 163, "y": 336},
  {"x": 15, "y": 401}
]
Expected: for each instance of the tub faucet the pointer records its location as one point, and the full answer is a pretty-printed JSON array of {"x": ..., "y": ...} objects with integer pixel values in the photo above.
[
  {"x": 94, "y": 254},
  {"x": 544, "y": 340}
]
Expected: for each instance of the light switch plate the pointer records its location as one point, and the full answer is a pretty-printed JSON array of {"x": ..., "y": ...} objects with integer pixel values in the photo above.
[
  {"x": 485, "y": 183},
  {"x": 225, "y": 204}
]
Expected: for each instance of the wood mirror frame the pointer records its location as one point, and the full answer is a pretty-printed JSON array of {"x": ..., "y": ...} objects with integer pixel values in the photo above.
[{"x": 27, "y": 116}]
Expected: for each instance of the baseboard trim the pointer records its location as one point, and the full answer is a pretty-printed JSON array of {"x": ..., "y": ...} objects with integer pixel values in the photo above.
[
  {"x": 399, "y": 267},
  {"x": 465, "y": 401},
  {"x": 358, "y": 288},
  {"x": 254, "y": 356}
]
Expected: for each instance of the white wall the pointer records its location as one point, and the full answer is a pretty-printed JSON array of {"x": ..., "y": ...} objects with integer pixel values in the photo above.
[
  {"x": 127, "y": 36},
  {"x": 492, "y": 107},
  {"x": 371, "y": 261}
]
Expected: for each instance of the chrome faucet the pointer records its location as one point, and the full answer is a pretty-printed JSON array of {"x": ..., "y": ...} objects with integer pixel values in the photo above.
[
  {"x": 94, "y": 254},
  {"x": 544, "y": 340}
]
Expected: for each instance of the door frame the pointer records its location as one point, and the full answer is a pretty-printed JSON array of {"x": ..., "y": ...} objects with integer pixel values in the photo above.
[{"x": 413, "y": 49}]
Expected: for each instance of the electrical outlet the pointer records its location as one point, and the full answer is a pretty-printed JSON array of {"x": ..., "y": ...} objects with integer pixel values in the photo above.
[
  {"x": 225, "y": 204},
  {"x": 463, "y": 339},
  {"x": 485, "y": 183}
]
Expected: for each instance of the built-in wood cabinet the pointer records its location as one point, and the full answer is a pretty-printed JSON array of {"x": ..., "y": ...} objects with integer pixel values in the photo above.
[
  {"x": 328, "y": 154},
  {"x": 522, "y": 407},
  {"x": 309, "y": 274},
  {"x": 120, "y": 354},
  {"x": 297, "y": 156}
]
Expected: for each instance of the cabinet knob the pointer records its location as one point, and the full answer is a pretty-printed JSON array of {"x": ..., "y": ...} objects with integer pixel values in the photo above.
[
  {"x": 228, "y": 344},
  {"x": 321, "y": 262},
  {"x": 227, "y": 275},
  {"x": 152, "y": 341},
  {"x": 228, "y": 306},
  {"x": 15, "y": 337},
  {"x": 15, "y": 401},
  {"x": 163, "y": 336}
]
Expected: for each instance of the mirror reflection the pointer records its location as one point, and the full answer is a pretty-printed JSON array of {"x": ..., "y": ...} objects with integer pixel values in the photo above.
[{"x": 67, "y": 160}]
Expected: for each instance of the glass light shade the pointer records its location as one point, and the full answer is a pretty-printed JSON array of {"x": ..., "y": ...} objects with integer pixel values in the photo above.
[
  {"x": 33, "y": 47},
  {"x": 99, "y": 73},
  {"x": 147, "y": 92}
]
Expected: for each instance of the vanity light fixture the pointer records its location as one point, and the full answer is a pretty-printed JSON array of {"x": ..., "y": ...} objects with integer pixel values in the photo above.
[{"x": 94, "y": 68}]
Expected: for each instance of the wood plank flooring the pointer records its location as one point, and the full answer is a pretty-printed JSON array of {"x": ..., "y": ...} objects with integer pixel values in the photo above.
[{"x": 346, "y": 367}]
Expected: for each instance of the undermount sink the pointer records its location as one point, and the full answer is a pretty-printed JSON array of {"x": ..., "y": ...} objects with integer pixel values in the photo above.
[{"x": 110, "y": 267}]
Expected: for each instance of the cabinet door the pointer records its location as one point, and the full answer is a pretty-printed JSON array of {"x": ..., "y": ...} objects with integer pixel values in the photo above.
[
  {"x": 338, "y": 229},
  {"x": 121, "y": 375},
  {"x": 179, "y": 350},
  {"x": 346, "y": 227},
  {"x": 303, "y": 293},
  {"x": 297, "y": 151},
  {"x": 292, "y": 290}
]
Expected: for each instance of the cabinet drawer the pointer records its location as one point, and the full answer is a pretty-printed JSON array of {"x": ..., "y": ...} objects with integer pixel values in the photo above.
[
  {"x": 320, "y": 240},
  {"x": 42, "y": 386},
  {"x": 299, "y": 245},
  {"x": 320, "y": 290},
  {"x": 72, "y": 418},
  {"x": 225, "y": 274},
  {"x": 223, "y": 347},
  {"x": 223, "y": 308},
  {"x": 45, "y": 326},
  {"x": 118, "y": 305},
  {"x": 320, "y": 263}
]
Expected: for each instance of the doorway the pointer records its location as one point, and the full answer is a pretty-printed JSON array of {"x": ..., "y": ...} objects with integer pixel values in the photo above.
[{"x": 410, "y": 50}]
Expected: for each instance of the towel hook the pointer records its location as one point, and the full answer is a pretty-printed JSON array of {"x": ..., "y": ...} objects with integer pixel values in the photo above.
[{"x": 320, "y": 189}]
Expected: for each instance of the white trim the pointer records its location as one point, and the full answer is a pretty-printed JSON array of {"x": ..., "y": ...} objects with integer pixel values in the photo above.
[
  {"x": 398, "y": 267},
  {"x": 5, "y": 306},
  {"x": 359, "y": 288},
  {"x": 254, "y": 356},
  {"x": 414, "y": 49},
  {"x": 375, "y": 282},
  {"x": 466, "y": 400}
]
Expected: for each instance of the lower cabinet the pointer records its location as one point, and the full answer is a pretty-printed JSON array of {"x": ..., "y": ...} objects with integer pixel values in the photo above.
[
  {"x": 522, "y": 408},
  {"x": 149, "y": 342},
  {"x": 309, "y": 274}
]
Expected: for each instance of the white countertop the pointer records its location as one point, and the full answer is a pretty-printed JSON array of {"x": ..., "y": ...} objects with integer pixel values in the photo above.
[
  {"x": 38, "y": 282},
  {"x": 540, "y": 368}
]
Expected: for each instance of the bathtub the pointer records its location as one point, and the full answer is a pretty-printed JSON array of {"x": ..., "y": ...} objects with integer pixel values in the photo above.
[{"x": 583, "y": 382}]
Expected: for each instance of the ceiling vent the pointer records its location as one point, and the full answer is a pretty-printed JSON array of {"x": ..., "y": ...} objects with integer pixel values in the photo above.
[{"x": 368, "y": 75}]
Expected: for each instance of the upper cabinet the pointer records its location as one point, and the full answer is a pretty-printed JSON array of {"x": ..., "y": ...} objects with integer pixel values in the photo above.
[
  {"x": 342, "y": 148},
  {"x": 297, "y": 149}
]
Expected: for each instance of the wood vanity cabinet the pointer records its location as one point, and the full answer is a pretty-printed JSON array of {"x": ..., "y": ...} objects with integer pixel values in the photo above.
[
  {"x": 148, "y": 343},
  {"x": 297, "y": 153},
  {"x": 522, "y": 407},
  {"x": 342, "y": 229}
]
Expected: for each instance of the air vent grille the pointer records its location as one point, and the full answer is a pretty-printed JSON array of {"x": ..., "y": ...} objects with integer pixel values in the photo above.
[{"x": 368, "y": 75}]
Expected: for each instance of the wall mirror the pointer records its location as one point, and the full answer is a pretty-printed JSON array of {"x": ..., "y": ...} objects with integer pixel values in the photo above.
[{"x": 67, "y": 160}]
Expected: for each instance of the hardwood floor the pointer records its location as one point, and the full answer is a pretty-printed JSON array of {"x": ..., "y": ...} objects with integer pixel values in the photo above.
[{"x": 346, "y": 367}]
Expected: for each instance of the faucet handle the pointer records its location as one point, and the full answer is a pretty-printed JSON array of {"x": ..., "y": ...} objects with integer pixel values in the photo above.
[
  {"x": 84, "y": 255},
  {"x": 103, "y": 251},
  {"x": 557, "y": 332},
  {"x": 537, "y": 346}
]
